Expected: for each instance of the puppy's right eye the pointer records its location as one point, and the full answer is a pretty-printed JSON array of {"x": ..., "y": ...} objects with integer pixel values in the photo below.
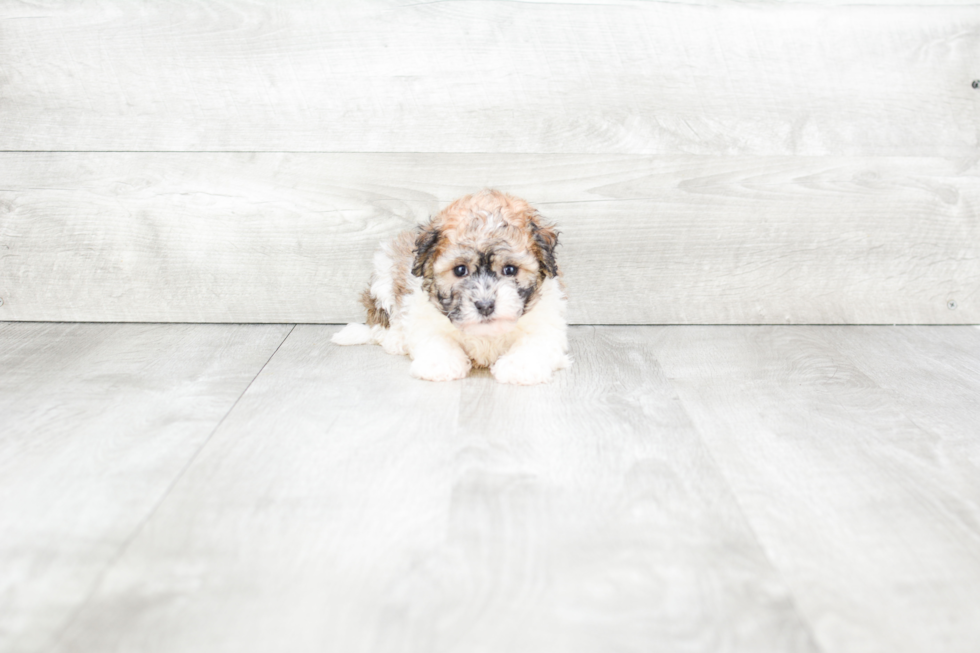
[{"x": 460, "y": 271}]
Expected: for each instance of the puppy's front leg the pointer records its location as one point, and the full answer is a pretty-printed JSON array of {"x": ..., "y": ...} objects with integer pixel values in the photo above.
[
  {"x": 533, "y": 358},
  {"x": 439, "y": 358}
]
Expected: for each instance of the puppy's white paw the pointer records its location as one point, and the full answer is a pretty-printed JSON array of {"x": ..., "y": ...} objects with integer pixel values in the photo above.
[
  {"x": 440, "y": 368},
  {"x": 353, "y": 334},
  {"x": 521, "y": 370}
]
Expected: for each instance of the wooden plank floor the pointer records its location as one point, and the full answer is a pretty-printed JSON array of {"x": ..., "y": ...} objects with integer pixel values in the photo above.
[
  {"x": 97, "y": 421},
  {"x": 254, "y": 488}
]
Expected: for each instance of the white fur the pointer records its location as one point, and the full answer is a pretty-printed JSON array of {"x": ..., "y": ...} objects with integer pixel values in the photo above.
[
  {"x": 525, "y": 350},
  {"x": 526, "y": 354},
  {"x": 354, "y": 334},
  {"x": 382, "y": 286},
  {"x": 542, "y": 344},
  {"x": 507, "y": 305}
]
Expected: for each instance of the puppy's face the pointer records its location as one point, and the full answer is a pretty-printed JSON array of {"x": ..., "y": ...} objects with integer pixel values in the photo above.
[{"x": 483, "y": 259}]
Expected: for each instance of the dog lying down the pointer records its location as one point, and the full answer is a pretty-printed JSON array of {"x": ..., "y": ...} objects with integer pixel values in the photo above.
[{"x": 477, "y": 286}]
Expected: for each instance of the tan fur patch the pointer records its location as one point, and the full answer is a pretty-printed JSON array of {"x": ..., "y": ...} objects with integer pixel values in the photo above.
[
  {"x": 478, "y": 219},
  {"x": 402, "y": 251},
  {"x": 478, "y": 285},
  {"x": 375, "y": 314},
  {"x": 484, "y": 232}
]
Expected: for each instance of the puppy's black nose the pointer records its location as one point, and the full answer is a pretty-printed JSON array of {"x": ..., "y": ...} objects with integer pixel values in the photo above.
[{"x": 485, "y": 308}]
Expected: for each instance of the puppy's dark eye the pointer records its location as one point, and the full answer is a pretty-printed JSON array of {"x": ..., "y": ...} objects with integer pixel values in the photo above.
[
  {"x": 509, "y": 270},
  {"x": 460, "y": 271}
]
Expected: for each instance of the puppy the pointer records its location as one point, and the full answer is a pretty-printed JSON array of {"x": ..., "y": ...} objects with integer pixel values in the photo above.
[{"x": 477, "y": 286}]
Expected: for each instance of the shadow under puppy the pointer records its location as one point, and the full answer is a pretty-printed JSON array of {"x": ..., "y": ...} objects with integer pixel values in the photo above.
[{"x": 478, "y": 285}]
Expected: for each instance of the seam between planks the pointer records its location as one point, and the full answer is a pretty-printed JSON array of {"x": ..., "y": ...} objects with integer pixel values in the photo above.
[
  {"x": 790, "y": 592},
  {"x": 528, "y": 153},
  {"x": 163, "y": 497},
  {"x": 878, "y": 387}
]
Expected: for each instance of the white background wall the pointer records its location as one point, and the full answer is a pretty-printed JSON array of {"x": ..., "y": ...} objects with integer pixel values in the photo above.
[{"x": 707, "y": 162}]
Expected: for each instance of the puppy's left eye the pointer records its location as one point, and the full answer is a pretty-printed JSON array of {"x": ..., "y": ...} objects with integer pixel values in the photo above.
[
  {"x": 460, "y": 270},
  {"x": 509, "y": 270}
]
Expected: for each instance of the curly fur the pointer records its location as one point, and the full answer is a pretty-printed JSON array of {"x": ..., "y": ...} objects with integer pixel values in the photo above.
[{"x": 479, "y": 285}]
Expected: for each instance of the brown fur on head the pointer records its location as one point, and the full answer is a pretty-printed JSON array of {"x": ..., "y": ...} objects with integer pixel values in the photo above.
[{"x": 483, "y": 258}]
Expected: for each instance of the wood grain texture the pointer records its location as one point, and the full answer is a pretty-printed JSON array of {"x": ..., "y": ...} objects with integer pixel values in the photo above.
[
  {"x": 866, "y": 502},
  {"x": 680, "y": 239},
  {"x": 934, "y": 375},
  {"x": 624, "y": 77},
  {"x": 96, "y": 422},
  {"x": 345, "y": 506}
]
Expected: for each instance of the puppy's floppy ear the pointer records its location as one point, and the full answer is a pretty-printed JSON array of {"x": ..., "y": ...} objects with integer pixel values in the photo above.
[
  {"x": 544, "y": 240},
  {"x": 425, "y": 248}
]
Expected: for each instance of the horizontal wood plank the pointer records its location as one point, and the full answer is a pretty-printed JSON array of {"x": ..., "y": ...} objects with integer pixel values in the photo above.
[
  {"x": 345, "y": 506},
  {"x": 646, "y": 240},
  {"x": 97, "y": 421},
  {"x": 395, "y": 76}
]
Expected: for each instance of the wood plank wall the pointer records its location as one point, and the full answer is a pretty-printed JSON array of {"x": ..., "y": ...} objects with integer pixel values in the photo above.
[{"x": 707, "y": 162}]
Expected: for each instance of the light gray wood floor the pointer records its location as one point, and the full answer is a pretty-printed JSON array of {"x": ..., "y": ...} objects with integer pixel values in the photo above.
[{"x": 254, "y": 488}]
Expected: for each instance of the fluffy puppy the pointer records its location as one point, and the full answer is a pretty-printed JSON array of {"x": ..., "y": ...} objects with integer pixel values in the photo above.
[{"x": 477, "y": 286}]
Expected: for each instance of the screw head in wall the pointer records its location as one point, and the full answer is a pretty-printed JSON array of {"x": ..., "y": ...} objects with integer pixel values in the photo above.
[
  {"x": 976, "y": 83},
  {"x": 951, "y": 304}
]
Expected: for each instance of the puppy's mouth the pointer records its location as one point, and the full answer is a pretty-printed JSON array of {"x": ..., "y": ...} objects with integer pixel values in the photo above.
[{"x": 489, "y": 327}]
